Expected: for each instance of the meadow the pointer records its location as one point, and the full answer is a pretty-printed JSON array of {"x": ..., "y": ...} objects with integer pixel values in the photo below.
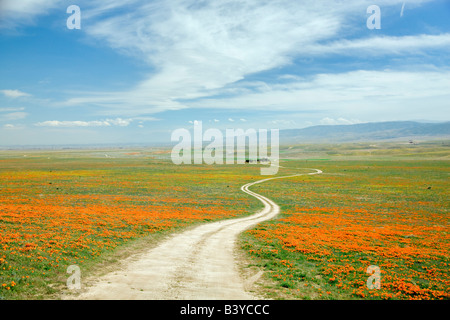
[
  {"x": 65, "y": 208},
  {"x": 389, "y": 210},
  {"x": 385, "y": 206}
]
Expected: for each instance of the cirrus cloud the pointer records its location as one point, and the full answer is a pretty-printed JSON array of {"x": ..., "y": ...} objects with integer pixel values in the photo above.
[
  {"x": 101, "y": 123},
  {"x": 14, "y": 93},
  {"x": 201, "y": 50}
]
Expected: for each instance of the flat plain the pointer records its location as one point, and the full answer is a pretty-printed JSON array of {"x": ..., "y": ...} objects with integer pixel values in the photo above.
[{"x": 376, "y": 204}]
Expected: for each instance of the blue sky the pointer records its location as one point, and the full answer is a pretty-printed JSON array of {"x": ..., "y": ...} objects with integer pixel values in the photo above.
[{"x": 137, "y": 70}]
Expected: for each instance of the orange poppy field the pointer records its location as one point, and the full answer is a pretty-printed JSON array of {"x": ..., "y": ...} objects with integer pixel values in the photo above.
[
  {"x": 80, "y": 207},
  {"x": 72, "y": 208},
  {"x": 357, "y": 214}
]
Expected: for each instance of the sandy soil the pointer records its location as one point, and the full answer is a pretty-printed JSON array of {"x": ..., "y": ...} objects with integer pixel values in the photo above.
[{"x": 198, "y": 264}]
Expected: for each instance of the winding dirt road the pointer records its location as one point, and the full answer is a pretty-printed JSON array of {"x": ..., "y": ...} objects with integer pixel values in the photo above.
[{"x": 198, "y": 264}]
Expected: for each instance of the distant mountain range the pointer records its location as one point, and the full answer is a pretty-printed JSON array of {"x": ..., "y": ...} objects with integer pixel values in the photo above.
[{"x": 394, "y": 130}]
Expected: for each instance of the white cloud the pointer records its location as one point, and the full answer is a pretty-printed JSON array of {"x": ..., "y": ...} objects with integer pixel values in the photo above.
[
  {"x": 8, "y": 126},
  {"x": 119, "y": 122},
  {"x": 403, "y": 9},
  {"x": 13, "y": 116},
  {"x": 200, "y": 49},
  {"x": 283, "y": 122},
  {"x": 361, "y": 94},
  {"x": 142, "y": 119},
  {"x": 11, "y": 109},
  {"x": 383, "y": 45},
  {"x": 289, "y": 77},
  {"x": 23, "y": 12},
  {"x": 339, "y": 121},
  {"x": 26, "y": 6},
  {"x": 197, "y": 48},
  {"x": 103, "y": 123},
  {"x": 14, "y": 93}
]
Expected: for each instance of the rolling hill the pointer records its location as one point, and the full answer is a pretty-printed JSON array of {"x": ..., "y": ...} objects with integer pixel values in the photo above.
[{"x": 393, "y": 130}]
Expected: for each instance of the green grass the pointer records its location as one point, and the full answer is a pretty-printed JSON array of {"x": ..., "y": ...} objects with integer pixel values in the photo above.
[
  {"x": 391, "y": 176},
  {"x": 42, "y": 183},
  {"x": 405, "y": 195}
]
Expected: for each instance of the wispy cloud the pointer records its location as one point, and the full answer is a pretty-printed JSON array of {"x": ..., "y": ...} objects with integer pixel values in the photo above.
[
  {"x": 13, "y": 116},
  {"x": 373, "y": 93},
  {"x": 279, "y": 122},
  {"x": 383, "y": 45},
  {"x": 14, "y": 13},
  {"x": 339, "y": 121},
  {"x": 8, "y": 109},
  {"x": 145, "y": 118},
  {"x": 200, "y": 54},
  {"x": 198, "y": 50},
  {"x": 101, "y": 123},
  {"x": 403, "y": 9},
  {"x": 14, "y": 93}
]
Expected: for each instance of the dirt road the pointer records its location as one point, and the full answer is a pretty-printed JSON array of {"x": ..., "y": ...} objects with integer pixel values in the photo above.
[{"x": 198, "y": 264}]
